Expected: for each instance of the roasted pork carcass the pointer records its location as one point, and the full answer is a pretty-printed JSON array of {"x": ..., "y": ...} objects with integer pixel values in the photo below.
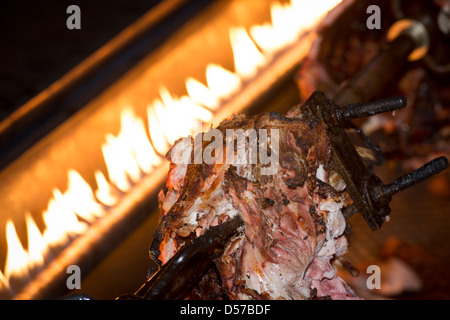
[
  {"x": 270, "y": 209},
  {"x": 291, "y": 206}
]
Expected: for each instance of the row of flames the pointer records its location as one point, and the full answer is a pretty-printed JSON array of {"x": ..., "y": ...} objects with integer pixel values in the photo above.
[{"x": 135, "y": 151}]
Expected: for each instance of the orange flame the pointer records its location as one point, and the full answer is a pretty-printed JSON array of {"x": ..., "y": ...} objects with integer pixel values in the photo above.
[
  {"x": 222, "y": 82},
  {"x": 36, "y": 243},
  {"x": 247, "y": 57},
  {"x": 16, "y": 258}
]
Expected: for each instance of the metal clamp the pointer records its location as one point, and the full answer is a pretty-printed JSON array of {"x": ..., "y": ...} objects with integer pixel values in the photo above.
[{"x": 370, "y": 195}]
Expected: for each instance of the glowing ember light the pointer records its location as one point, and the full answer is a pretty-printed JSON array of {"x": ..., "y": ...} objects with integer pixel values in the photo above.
[
  {"x": 201, "y": 94},
  {"x": 177, "y": 116},
  {"x": 309, "y": 13},
  {"x": 289, "y": 20},
  {"x": 4, "y": 284},
  {"x": 273, "y": 36},
  {"x": 61, "y": 221},
  {"x": 247, "y": 57},
  {"x": 81, "y": 198},
  {"x": 194, "y": 111},
  {"x": 136, "y": 150},
  {"x": 172, "y": 118},
  {"x": 222, "y": 83},
  {"x": 120, "y": 165},
  {"x": 36, "y": 243},
  {"x": 129, "y": 153},
  {"x": 104, "y": 193},
  {"x": 158, "y": 140},
  {"x": 16, "y": 258},
  {"x": 134, "y": 135},
  {"x": 163, "y": 110}
]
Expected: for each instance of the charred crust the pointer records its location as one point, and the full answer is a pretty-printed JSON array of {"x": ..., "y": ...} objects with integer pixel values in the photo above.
[
  {"x": 293, "y": 164},
  {"x": 278, "y": 117},
  {"x": 270, "y": 202},
  {"x": 302, "y": 143},
  {"x": 241, "y": 287},
  {"x": 313, "y": 295},
  {"x": 206, "y": 170},
  {"x": 260, "y": 180},
  {"x": 284, "y": 200},
  {"x": 313, "y": 123},
  {"x": 324, "y": 190},
  {"x": 234, "y": 121},
  {"x": 154, "y": 251},
  {"x": 232, "y": 178},
  {"x": 209, "y": 287},
  {"x": 319, "y": 221},
  {"x": 266, "y": 202},
  {"x": 191, "y": 187},
  {"x": 294, "y": 183}
]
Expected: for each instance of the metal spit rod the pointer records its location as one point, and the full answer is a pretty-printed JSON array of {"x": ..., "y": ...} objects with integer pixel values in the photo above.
[
  {"x": 408, "y": 40},
  {"x": 177, "y": 277}
]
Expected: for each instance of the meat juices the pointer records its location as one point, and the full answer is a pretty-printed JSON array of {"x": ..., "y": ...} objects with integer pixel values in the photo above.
[{"x": 293, "y": 224}]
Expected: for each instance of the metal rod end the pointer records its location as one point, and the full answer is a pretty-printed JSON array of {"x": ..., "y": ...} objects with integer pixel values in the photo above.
[
  {"x": 429, "y": 169},
  {"x": 371, "y": 108}
]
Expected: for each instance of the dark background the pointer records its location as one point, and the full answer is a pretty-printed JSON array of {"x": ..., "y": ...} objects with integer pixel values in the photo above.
[{"x": 37, "y": 48}]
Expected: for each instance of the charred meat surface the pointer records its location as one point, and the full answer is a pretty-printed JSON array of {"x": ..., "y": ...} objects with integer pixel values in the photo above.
[{"x": 293, "y": 225}]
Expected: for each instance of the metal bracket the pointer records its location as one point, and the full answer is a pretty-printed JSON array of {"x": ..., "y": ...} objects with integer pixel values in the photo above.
[{"x": 370, "y": 195}]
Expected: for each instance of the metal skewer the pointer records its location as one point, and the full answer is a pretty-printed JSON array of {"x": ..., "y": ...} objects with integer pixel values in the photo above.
[
  {"x": 370, "y": 195},
  {"x": 371, "y": 108},
  {"x": 175, "y": 278},
  {"x": 429, "y": 169}
]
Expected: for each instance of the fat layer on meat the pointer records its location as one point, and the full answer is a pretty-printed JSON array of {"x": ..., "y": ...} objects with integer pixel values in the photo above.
[{"x": 293, "y": 224}]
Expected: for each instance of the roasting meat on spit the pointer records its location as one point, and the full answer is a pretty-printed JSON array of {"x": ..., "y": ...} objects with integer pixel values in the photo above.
[{"x": 270, "y": 229}]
